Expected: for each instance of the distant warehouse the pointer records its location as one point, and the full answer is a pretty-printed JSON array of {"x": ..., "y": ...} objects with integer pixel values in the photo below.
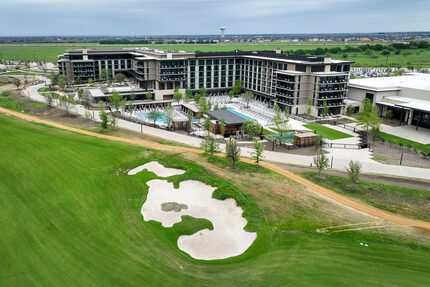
[{"x": 289, "y": 81}]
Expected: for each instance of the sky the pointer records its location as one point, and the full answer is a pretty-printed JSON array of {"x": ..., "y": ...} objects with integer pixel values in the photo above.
[{"x": 191, "y": 17}]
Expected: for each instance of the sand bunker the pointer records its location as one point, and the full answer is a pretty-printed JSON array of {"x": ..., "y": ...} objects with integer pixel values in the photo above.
[
  {"x": 157, "y": 168},
  {"x": 167, "y": 205}
]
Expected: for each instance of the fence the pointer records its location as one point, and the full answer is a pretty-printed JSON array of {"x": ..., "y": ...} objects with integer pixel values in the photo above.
[{"x": 344, "y": 146}]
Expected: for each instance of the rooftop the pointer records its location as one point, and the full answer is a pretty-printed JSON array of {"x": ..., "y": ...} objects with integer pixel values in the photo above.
[
  {"x": 413, "y": 80},
  {"x": 229, "y": 117}
]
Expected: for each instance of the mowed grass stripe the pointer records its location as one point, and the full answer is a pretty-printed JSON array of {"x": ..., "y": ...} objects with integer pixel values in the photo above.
[{"x": 327, "y": 132}]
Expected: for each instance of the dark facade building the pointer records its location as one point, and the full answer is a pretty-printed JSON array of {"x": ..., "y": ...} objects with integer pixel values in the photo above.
[{"x": 290, "y": 81}]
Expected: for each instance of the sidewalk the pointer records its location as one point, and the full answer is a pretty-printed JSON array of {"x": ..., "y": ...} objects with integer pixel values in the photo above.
[{"x": 340, "y": 157}]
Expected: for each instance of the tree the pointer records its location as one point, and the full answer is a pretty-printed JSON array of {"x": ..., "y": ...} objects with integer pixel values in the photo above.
[
  {"x": 66, "y": 101},
  {"x": 116, "y": 101},
  {"x": 104, "y": 119},
  {"x": 62, "y": 82},
  {"x": 207, "y": 125},
  {"x": 354, "y": 171},
  {"x": 321, "y": 161},
  {"x": 80, "y": 93},
  {"x": 309, "y": 103},
  {"x": 197, "y": 97},
  {"x": 188, "y": 95},
  {"x": 221, "y": 125},
  {"x": 177, "y": 96},
  {"x": 119, "y": 78},
  {"x": 105, "y": 75},
  {"x": 203, "y": 105},
  {"x": 237, "y": 87},
  {"x": 149, "y": 95},
  {"x": 368, "y": 116},
  {"x": 90, "y": 81},
  {"x": 349, "y": 110},
  {"x": 232, "y": 150},
  {"x": 230, "y": 94},
  {"x": 247, "y": 98},
  {"x": 325, "y": 110},
  {"x": 257, "y": 154},
  {"x": 281, "y": 122},
  {"x": 168, "y": 116},
  {"x": 48, "y": 99},
  {"x": 78, "y": 81},
  {"x": 154, "y": 115},
  {"x": 209, "y": 145},
  {"x": 251, "y": 128},
  {"x": 17, "y": 83},
  {"x": 203, "y": 92},
  {"x": 190, "y": 120}
]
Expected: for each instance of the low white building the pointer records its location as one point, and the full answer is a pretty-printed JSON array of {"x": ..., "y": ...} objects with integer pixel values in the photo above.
[{"x": 407, "y": 97}]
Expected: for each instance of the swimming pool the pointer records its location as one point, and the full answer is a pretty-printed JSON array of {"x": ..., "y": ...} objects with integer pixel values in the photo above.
[
  {"x": 160, "y": 120},
  {"x": 240, "y": 114}
]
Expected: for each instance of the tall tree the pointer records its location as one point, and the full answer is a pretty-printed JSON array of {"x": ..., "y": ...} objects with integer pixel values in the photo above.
[
  {"x": 154, "y": 115},
  {"x": 149, "y": 95},
  {"x": 325, "y": 110},
  {"x": 209, "y": 145},
  {"x": 168, "y": 116},
  {"x": 309, "y": 106},
  {"x": 119, "y": 78},
  {"x": 237, "y": 87}
]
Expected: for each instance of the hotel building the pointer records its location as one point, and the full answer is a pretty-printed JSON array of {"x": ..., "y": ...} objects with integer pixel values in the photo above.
[{"x": 289, "y": 81}]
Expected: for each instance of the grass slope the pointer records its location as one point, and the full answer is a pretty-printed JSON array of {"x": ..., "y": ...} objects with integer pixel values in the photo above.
[
  {"x": 327, "y": 132},
  {"x": 70, "y": 216},
  {"x": 404, "y": 142}
]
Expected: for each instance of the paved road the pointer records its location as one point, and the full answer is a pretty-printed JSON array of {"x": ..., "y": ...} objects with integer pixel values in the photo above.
[
  {"x": 324, "y": 192},
  {"x": 341, "y": 157}
]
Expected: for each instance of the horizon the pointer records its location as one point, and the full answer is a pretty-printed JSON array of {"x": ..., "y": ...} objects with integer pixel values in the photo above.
[{"x": 50, "y": 18}]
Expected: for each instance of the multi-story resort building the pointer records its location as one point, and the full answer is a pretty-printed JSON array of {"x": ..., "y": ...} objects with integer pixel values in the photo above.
[{"x": 290, "y": 81}]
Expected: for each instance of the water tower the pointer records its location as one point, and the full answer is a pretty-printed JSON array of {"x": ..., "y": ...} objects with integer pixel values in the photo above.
[{"x": 222, "y": 29}]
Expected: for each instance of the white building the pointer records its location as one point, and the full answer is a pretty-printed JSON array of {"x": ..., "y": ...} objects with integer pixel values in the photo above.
[{"x": 407, "y": 97}]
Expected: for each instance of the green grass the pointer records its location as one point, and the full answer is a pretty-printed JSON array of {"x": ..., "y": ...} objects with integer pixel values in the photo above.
[
  {"x": 327, "y": 132},
  {"x": 404, "y": 142},
  {"x": 38, "y": 105},
  {"x": 401, "y": 200},
  {"x": 23, "y": 73},
  {"x": 71, "y": 216},
  {"x": 6, "y": 101},
  {"x": 49, "y": 52}
]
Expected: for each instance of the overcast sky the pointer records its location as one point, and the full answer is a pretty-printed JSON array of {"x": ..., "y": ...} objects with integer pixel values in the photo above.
[{"x": 167, "y": 17}]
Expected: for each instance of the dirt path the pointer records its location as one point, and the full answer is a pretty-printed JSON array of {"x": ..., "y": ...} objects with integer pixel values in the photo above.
[{"x": 329, "y": 194}]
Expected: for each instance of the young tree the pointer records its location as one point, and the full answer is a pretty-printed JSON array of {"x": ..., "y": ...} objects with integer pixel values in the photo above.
[
  {"x": 17, "y": 83},
  {"x": 203, "y": 105},
  {"x": 230, "y": 94},
  {"x": 48, "y": 99},
  {"x": 368, "y": 117},
  {"x": 203, "y": 92},
  {"x": 232, "y": 150},
  {"x": 190, "y": 120},
  {"x": 154, "y": 115},
  {"x": 321, "y": 161},
  {"x": 104, "y": 119},
  {"x": 237, "y": 87},
  {"x": 66, "y": 101},
  {"x": 188, "y": 95},
  {"x": 221, "y": 125},
  {"x": 354, "y": 171},
  {"x": 280, "y": 121},
  {"x": 168, "y": 116},
  {"x": 257, "y": 154},
  {"x": 349, "y": 110},
  {"x": 247, "y": 98},
  {"x": 62, "y": 82},
  {"x": 116, "y": 101},
  {"x": 325, "y": 110},
  {"x": 207, "y": 125},
  {"x": 80, "y": 93},
  {"x": 149, "y": 95},
  {"x": 197, "y": 97},
  {"x": 209, "y": 145},
  {"x": 78, "y": 81},
  {"x": 309, "y": 106},
  {"x": 251, "y": 128},
  {"x": 177, "y": 96},
  {"x": 119, "y": 78},
  {"x": 90, "y": 81},
  {"x": 104, "y": 75}
]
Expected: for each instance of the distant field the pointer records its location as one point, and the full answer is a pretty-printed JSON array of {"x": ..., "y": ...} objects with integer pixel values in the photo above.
[{"x": 49, "y": 52}]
